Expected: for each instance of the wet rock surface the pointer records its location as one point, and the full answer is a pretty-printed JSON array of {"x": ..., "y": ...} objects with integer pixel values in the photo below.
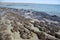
[{"x": 20, "y": 24}]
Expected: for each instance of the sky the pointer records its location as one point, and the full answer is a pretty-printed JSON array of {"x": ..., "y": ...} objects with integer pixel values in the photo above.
[{"x": 34, "y": 1}]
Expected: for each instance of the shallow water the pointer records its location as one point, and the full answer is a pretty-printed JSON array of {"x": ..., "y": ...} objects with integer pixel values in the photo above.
[{"x": 50, "y": 9}]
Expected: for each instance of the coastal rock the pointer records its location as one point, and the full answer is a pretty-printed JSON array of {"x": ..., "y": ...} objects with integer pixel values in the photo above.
[{"x": 15, "y": 26}]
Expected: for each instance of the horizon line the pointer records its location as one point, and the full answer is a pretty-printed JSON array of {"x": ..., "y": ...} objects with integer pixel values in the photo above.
[{"x": 25, "y": 2}]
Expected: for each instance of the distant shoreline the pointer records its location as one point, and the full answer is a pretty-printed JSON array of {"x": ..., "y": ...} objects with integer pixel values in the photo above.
[{"x": 24, "y": 3}]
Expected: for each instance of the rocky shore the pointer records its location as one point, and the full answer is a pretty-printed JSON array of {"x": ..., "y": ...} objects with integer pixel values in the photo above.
[{"x": 21, "y": 24}]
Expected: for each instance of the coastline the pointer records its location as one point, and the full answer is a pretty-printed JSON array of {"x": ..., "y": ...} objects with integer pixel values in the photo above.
[
  {"x": 35, "y": 7},
  {"x": 24, "y": 3},
  {"x": 27, "y": 24}
]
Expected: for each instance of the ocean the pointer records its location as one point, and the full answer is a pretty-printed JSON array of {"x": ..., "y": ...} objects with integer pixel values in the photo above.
[{"x": 48, "y": 8}]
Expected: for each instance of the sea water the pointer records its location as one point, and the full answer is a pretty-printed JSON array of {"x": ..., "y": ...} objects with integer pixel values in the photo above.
[{"x": 48, "y": 8}]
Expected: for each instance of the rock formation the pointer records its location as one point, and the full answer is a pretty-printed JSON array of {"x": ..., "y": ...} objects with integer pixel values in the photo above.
[{"x": 15, "y": 26}]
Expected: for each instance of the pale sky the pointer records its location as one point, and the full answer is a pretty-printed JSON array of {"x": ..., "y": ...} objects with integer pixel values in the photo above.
[{"x": 34, "y": 1}]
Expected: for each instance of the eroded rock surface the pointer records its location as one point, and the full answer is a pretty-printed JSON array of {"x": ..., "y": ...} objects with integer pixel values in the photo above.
[{"x": 15, "y": 26}]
